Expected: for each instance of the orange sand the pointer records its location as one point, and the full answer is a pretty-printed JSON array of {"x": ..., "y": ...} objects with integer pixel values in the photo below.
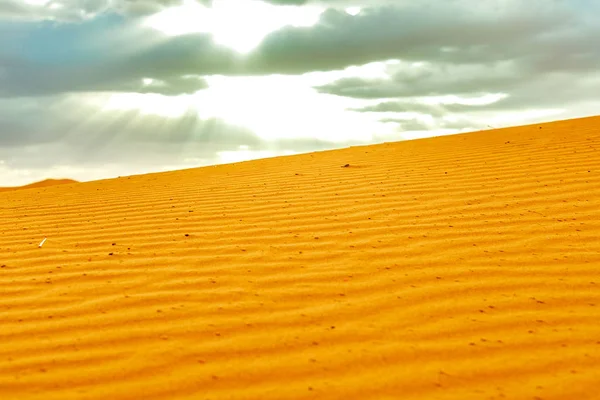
[
  {"x": 44, "y": 183},
  {"x": 458, "y": 267}
]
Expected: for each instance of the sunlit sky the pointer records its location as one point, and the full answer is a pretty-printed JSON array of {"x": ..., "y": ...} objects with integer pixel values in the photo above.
[{"x": 106, "y": 88}]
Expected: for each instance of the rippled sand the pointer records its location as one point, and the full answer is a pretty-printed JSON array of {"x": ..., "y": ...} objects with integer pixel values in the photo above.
[{"x": 457, "y": 267}]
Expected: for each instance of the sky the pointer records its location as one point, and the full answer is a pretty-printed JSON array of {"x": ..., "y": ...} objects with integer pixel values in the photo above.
[{"x": 94, "y": 89}]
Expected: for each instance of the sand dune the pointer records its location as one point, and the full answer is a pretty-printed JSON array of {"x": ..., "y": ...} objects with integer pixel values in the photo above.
[
  {"x": 44, "y": 183},
  {"x": 458, "y": 267}
]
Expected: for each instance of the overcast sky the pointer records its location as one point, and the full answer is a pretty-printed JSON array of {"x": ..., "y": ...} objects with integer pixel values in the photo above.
[{"x": 91, "y": 89}]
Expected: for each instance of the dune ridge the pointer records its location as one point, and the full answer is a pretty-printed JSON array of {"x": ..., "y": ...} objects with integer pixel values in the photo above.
[
  {"x": 44, "y": 183},
  {"x": 456, "y": 267}
]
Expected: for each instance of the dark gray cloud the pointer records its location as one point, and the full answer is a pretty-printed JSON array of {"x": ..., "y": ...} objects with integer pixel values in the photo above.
[
  {"x": 171, "y": 64},
  {"x": 552, "y": 90},
  {"x": 555, "y": 68},
  {"x": 404, "y": 107},
  {"x": 437, "y": 79},
  {"x": 449, "y": 33},
  {"x": 23, "y": 79},
  {"x": 408, "y": 124},
  {"x": 557, "y": 49}
]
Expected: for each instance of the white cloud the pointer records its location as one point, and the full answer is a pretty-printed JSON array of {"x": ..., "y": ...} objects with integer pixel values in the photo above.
[
  {"x": 353, "y": 10},
  {"x": 238, "y": 24}
]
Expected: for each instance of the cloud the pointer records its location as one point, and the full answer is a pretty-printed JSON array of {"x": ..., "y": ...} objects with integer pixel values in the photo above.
[
  {"x": 186, "y": 84},
  {"x": 409, "y": 124},
  {"x": 143, "y": 7},
  {"x": 546, "y": 90},
  {"x": 464, "y": 47},
  {"x": 435, "y": 79},
  {"x": 555, "y": 95},
  {"x": 449, "y": 33},
  {"x": 538, "y": 56},
  {"x": 79, "y": 10},
  {"x": 25, "y": 82},
  {"x": 404, "y": 107},
  {"x": 12, "y": 8},
  {"x": 549, "y": 68},
  {"x": 52, "y": 59},
  {"x": 331, "y": 3}
]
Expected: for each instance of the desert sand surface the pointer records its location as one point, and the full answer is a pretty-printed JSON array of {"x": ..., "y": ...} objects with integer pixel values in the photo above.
[
  {"x": 456, "y": 267},
  {"x": 44, "y": 183}
]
